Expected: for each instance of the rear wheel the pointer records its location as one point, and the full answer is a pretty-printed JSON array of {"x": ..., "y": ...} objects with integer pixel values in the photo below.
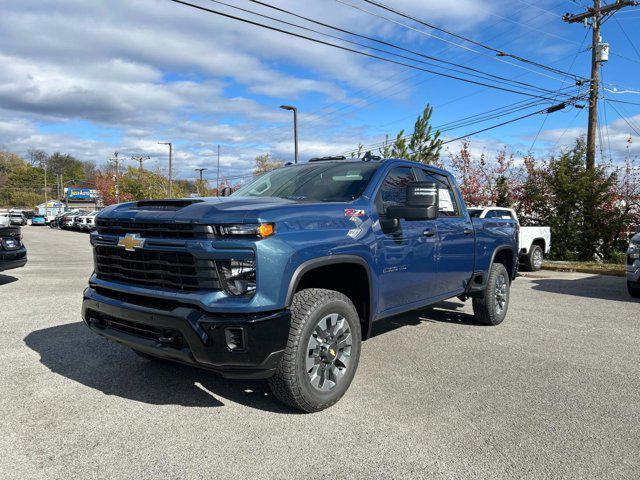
[
  {"x": 534, "y": 259},
  {"x": 322, "y": 351},
  {"x": 634, "y": 289},
  {"x": 491, "y": 308}
]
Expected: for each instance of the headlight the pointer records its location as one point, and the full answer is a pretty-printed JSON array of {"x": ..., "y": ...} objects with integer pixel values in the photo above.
[
  {"x": 10, "y": 243},
  {"x": 634, "y": 250},
  {"x": 239, "y": 276},
  {"x": 253, "y": 230}
]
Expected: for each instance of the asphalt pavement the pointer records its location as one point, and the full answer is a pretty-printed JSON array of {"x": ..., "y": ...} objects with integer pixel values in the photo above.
[{"x": 554, "y": 392}]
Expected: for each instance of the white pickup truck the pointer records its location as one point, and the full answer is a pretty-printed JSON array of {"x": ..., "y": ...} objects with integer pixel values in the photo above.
[{"x": 534, "y": 242}]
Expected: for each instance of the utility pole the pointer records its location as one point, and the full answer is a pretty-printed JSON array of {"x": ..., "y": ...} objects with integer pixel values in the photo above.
[
  {"x": 599, "y": 55},
  {"x": 170, "y": 166},
  {"x": 218, "y": 174},
  {"x": 200, "y": 184},
  {"x": 140, "y": 159},
  {"x": 117, "y": 162},
  {"x": 46, "y": 197}
]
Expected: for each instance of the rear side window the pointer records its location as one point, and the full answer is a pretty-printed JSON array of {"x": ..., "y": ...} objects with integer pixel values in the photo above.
[
  {"x": 448, "y": 206},
  {"x": 393, "y": 190}
]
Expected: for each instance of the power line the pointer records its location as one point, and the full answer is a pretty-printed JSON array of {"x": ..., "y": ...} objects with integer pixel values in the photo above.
[
  {"x": 627, "y": 36},
  {"x": 341, "y": 47},
  {"x": 373, "y": 39},
  {"x": 456, "y": 35},
  {"x": 475, "y": 72},
  {"x": 470, "y": 120}
]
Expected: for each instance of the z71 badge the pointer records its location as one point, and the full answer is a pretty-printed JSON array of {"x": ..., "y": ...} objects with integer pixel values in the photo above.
[{"x": 352, "y": 212}]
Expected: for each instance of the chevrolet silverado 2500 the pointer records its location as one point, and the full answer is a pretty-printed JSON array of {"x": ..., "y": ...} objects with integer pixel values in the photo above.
[{"x": 283, "y": 279}]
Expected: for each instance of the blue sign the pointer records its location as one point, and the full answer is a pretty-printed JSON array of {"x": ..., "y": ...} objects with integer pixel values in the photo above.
[{"x": 80, "y": 194}]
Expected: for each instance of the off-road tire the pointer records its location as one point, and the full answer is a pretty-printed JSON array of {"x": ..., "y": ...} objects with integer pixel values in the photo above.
[
  {"x": 291, "y": 383},
  {"x": 634, "y": 289},
  {"x": 529, "y": 262},
  {"x": 485, "y": 307}
]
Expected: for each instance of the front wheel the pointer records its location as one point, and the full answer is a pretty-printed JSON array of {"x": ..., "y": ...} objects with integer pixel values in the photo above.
[
  {"x": 633, "y": 289},
  {"x": 322, "y": 351},
  {"x": 491, "y": 308}
]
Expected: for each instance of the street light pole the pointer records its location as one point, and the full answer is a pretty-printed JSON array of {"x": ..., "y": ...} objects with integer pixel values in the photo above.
[
  {"x": 295, "y": 128},
  {"x": 200, "y": 184},
  {"x": 218, "y": 174},
  {"x": 170, "y": 166}
]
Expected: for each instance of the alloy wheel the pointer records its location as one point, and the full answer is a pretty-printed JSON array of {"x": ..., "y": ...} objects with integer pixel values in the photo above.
[
  {"x": 501, "y": 293},
  {"x": 329, "y": 352}
]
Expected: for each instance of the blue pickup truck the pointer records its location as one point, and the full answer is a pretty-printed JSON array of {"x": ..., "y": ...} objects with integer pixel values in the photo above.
[{"x": 284, "y": 278}]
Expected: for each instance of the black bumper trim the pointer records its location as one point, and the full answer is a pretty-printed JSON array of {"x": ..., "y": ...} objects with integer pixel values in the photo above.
[
  {"x": 203, "y": 333},
  {"x": 10, "y": 264}
]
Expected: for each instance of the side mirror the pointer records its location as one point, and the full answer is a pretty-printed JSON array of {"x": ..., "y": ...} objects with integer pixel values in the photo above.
[
  {"x": 226, "y": 191},
  {"x": 422, "y": 203}
]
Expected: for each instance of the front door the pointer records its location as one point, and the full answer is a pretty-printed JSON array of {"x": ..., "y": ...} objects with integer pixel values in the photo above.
[{"x": 405, "y": 251}]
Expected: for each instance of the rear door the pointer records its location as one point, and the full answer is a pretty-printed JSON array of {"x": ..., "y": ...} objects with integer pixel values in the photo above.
[
  {"x": 406, "y": 252},
  {"x": 456, "y": 241}
]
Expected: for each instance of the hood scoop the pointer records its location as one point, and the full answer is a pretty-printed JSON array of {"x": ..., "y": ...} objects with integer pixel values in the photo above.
[{"x": 164, "y": 205}]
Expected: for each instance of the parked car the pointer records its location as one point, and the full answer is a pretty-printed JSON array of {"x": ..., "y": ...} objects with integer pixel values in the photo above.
[
  {"x": 67, "y": 222},
  {"x": 284, "y": 278},
  {"x": 87, "y": 222},
  {"x": 39, "y": 220},
  {"x": 533, "y": 242},
  {"x": 17, "y": 218},
  {"x": 78, "y": 220},
  {"x": 13, "y": 254},
  {"x": 633, "y": 266}
]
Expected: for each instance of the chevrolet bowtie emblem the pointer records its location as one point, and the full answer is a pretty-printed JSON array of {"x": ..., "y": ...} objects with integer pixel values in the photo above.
[{"x": 131, "y": 241}]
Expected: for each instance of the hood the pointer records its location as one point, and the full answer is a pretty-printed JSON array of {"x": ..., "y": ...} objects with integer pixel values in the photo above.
[{"x": 215, "y": 210}]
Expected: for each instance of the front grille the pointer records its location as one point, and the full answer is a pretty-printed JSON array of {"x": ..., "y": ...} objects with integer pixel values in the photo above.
[
  {"x": 140, "y": 300},
  {"x": 630, "y": 260},
  {"x": 154, "y": 268},
  {"x": 154, "y": 230}
]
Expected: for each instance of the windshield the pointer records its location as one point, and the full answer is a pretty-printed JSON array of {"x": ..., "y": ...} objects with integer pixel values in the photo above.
[{"x": 314, "y": 182}]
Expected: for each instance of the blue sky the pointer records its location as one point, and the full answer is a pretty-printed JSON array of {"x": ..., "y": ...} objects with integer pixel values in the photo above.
[{"x": 91, "y": 78}]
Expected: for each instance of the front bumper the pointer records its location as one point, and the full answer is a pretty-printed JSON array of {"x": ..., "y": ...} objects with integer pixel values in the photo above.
[
  {"x": 13, "y": 259},
  {"x": 186, "y": 334}
]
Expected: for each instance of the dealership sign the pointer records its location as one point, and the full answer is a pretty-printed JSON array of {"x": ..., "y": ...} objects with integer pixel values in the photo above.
[{"x": 80, "y": 194}]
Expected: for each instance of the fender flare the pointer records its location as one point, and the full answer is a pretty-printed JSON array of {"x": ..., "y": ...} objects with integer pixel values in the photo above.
[
  {"x": 314, "y": 263},
  {"x": 515, "y": 259}
]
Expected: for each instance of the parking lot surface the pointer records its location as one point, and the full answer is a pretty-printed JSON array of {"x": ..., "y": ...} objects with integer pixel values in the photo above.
[{"x": 554, "y": 392}]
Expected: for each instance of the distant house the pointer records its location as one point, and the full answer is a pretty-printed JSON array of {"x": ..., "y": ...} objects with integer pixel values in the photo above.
[{"x": 52, "y": 207}]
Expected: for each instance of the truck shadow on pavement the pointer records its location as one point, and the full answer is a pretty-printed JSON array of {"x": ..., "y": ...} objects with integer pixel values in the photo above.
[
  {"x": 601, "y": 287},
  {"x": 5, "y": 279},
  {"x": 443, "y": 312},
  {"x": 72, "y": 351}
]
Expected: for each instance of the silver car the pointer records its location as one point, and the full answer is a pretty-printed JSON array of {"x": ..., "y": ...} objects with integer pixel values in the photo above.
[{"x": 633, "y": 266}]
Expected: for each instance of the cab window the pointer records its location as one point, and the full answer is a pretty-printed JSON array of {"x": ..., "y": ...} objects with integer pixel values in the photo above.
[
  {"x": 448, "y": 203},
  {"x": 393, "y": 190}
]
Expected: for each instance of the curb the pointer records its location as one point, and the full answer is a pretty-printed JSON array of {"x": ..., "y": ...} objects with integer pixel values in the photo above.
[{"x": 596, "y": 271}]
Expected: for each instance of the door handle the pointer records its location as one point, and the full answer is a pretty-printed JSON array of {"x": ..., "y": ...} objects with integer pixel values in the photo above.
[
  {"x": 429, "y": 232},
  {"x": 468, "y": 231}
]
